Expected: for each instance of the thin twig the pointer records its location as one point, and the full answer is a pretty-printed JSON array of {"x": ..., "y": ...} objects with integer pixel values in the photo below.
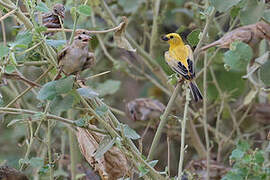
[
  {"x": 205, "y": 118},
  {"x": 183, "y": 129},
  {"x": 7, "y": 15},
  {"x": 163, "y": 121},
  {"x": 154, "y": 31},
  {"x": 87, "y": 31},
  {"x": 3, "y": 31}
]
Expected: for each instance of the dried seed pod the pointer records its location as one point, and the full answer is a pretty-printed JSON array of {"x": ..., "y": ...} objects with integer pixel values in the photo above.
[
  {"x": 144, "y": 109},
  {"x": 112, "y": 165},
  {"x": 250, "y": 34}
]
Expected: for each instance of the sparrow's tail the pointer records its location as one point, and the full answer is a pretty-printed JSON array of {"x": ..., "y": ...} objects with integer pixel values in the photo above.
[
  {"x": 215, "y": 43},
  {"x": 197, "y": 95}
]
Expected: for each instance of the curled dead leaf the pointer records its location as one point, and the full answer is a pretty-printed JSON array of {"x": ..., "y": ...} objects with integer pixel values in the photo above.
[
  {"x": 112, "y": 165},
  {"x": 250, "y": 34},
  {"x": 120, "y": 39}
]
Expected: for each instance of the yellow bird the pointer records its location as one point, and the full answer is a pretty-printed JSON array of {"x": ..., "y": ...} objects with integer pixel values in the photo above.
[{"x": 180, "y": 59}]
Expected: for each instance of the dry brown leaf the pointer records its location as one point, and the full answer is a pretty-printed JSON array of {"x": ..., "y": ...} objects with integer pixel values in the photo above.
[
  {"x": 112, "y": 165},
  {"x": 119, "y": 37},
  {"x": 250, "y": 34}
]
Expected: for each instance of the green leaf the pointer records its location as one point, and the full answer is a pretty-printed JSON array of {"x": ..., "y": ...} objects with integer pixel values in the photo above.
[
  {"x": 130, "y": 133},
  {"x": 243, "y": 145},
  {"x": 173, "y": 79},
  {"x": 193, "y": 37},
  {"x": 265, "y": 73},
  {"x": 153, "y": 163},
  {"x": 266, "y": 15},
  {"x": 252, "y": 12},
  {"x": 87, "y": 92},
  {"x": 237, "y": 154},
  {"x": 73, "y": 13},
  {"x": 259, "y": 157},
  {"x": 10, "y": 69},
  {"x": 235, "y": 11},
  {"x": 42, "y": 7},
  {"x": 105, "y": 145},
  {"x": 44, "y": 169},
  {"x": 222, "y": 5},
  {"x": 64, "y": 85},
  {"x": 109, "y": 87},
  {"x": 84, "y": 10},
  {"x": 36, "y": 162},
  {"x": 3, "y": 51},
  {"x": 129, "y": 6},
  {"x": 41, "y": 29},
  {"x": 55, "y": 43},
  {"x": 239, "y": 56},
  {"x": 22, "y": 40},
  {"x": 143, "y": 170},
  {"x": 101, "y": 110},
  {"x": 48, "y": 91},
  {"x": 60, "y": 104},
  {"x": 80, "y": 122}
]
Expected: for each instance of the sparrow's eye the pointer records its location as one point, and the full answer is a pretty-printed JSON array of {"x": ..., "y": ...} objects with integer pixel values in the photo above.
[
  {"x": 171, "y": 37},
  {"x": 132, "y": 111},
  {"x": 79, "y": 37}
]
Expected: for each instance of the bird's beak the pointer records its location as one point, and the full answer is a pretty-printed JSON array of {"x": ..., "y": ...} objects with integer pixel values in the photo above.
[
  {"x": 86, "y": 39},
  {"x": 62, "y": 14},
  {"x": 165, "y": 38}
]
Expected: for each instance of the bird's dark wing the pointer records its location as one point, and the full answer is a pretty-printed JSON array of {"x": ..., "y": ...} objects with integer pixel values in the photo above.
[
  {"x": 62, "y": 53},
  {"x": 190, "y": 61},
  {"x": 177, "y": 66}
]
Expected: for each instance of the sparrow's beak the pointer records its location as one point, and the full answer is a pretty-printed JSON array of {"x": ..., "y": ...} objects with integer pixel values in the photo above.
[
  {"x": 165, "y": 38},
  {"x": 62, "y": 14},
  {"x": 86, "y": 39}
]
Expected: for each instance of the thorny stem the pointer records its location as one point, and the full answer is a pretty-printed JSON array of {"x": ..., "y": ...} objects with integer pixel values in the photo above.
[
  {"x": 49, "y": 149},
  {"x": 28, "y": 89},
  {"x": 29, "y": 143},
  {"x": 163, "y": 121},
  {"x": 154, "y": 26},
  {"x": 183, "y": 128},
  {"x": 72, "y": 147},
  {"x": 205, "y": 117},
  {"x": 10, "y": 6},
  {"x": 87, "y": 31},
  {"x": 205, "y": 30}
]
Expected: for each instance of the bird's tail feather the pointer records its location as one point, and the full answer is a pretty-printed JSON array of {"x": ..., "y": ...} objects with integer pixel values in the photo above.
[{"x": 197, "y": 95}]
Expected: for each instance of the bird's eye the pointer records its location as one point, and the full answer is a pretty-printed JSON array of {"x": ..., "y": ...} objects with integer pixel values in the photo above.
[
  {"x": 79, "y": 37},
  {"x": 171, "y": 37},
  {"x": 84, "y": 32},
  {"x": 131, "y": 111}
]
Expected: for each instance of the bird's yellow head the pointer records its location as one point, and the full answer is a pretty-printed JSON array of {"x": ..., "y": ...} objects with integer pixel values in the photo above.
[{"x": 173, "y": 39}]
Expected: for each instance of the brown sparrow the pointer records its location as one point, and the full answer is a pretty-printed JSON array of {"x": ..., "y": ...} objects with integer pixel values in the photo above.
[
  {"x": 250, "y": 34},
  {"x": 75, "y": 58},
  {"x": 144, "y": 109},
  {"x": 9, "y": 173},
  {"x": 51, "y": 19}
]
